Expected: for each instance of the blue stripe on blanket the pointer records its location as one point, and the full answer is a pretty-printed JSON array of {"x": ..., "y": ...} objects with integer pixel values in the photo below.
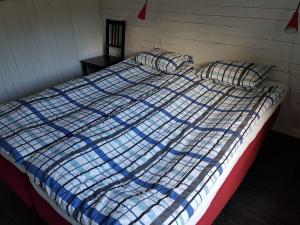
[
  {"x": 65, "y": 194},
  {"x": 236, "y": 134},
  {"x": 11, "y": 150},
  {"x": 183, "y": 95},
  {"x": 152, "y": 141},
  {"x": 112, "y": 163},
  {"x": 39, "y": 115}
]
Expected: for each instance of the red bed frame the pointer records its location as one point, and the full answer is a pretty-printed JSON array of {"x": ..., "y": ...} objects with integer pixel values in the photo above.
[{"x": 20, "y": 184}]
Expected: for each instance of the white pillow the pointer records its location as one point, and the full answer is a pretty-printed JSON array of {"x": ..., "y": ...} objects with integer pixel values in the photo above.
[
  {"x": 163, "y": 60},
  {"x": 235, "y": 73}
]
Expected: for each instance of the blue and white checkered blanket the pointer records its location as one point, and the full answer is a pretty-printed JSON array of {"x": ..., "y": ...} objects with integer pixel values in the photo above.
[{"x": 129, "y": 144}]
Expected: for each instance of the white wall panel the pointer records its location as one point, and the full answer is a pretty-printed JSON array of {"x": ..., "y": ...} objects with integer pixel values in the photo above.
[{"x": 42, "y": 42}]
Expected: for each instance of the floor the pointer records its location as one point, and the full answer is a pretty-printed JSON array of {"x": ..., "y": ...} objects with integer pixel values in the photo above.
[{"x": 269, "y": 193}]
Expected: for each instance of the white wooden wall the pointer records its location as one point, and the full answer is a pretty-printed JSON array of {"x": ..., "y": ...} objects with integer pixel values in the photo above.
[
  {"x": 42, "y": 41},
  {"x": 251, "y": 30}
]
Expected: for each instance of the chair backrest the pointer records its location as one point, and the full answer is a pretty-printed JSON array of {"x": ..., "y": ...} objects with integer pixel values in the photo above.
[{"x": 115, "y": 36}]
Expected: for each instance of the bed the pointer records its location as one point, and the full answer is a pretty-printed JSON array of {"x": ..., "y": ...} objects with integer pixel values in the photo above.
[{"x": 133, "y": 145}]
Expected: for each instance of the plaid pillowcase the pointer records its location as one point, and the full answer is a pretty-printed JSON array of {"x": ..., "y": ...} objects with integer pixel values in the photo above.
[
  {"x": 235, "y": 73},
  {"x": 163, "y": 60}
]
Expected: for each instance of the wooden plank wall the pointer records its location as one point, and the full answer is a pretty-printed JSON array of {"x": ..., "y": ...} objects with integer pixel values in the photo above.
[
  {"x": 42, "y": 41},
  {"x": 251, "y": 30}
]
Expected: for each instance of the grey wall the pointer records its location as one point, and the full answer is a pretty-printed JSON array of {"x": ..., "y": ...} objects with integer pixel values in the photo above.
[{"x": 42, "y": 41}]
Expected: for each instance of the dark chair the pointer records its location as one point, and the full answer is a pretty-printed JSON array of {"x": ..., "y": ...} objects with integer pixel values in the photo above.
[{"x": 115, "y": 38}]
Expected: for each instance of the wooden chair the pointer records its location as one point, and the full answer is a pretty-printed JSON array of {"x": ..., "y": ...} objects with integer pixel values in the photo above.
[{"x": 114, "y": 38}]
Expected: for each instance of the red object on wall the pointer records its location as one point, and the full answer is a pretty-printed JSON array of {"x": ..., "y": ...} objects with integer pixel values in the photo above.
[
  {"x": 292, "y": 26},
  {"x": 24, "y": 188},
  {"x": 142, "y": 14}
]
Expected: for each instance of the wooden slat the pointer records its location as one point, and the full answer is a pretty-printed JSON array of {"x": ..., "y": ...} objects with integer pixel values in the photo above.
[{"x": 42, "y": 41}]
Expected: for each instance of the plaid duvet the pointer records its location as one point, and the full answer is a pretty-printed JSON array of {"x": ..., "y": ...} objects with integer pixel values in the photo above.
[{"x": 129, "y": 144}]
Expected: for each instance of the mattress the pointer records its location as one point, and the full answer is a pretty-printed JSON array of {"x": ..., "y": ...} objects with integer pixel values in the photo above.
[
  {"x": 131, "y": 144},
  {"x": 11, "y": 160}
]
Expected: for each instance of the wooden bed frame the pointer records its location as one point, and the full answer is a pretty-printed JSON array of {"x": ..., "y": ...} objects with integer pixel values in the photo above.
[{"x": 20, "y": 183}]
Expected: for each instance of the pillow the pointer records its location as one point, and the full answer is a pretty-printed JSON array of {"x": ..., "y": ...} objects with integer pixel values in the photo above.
[
  {"x": 235, "y": 73},
  {"x": 163, "y": 60}
]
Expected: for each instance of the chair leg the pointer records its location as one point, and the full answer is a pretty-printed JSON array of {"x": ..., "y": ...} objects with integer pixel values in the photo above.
[{"x": 83, "y": 68}]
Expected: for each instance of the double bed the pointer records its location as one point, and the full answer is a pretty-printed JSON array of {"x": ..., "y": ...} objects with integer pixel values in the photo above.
[{"x": 134, "y": 145}]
